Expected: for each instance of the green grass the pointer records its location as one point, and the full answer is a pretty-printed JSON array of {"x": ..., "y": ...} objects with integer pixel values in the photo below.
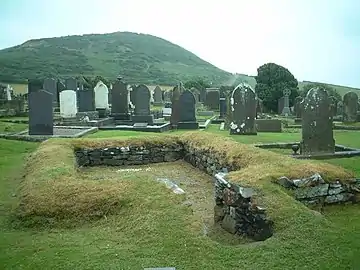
[
  {"x": 6, "y": 127},
  {"x": 159, "y": 232}
]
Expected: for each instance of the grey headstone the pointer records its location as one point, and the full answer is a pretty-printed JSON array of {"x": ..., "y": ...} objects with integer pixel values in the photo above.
[
  {"x": 71, "y": 84},
  {"x": 50, "y": 85},
  {"x": 281, "y": 104},
  {"x": 202, "y": 96},
  {"x": 350, "y": 102},
  {"x": 187, "y": 107},
  {"x": 212, "y": 99},
  {"x": 317, "y": 125},
  {"x": 340, "y": 108},
  {"x": 297, "y": 106},
  {"x": 223, "y": 107},
  {"x": 158, "y": 95},
  {"x": 34, "y": 85},
  {"x": 86, "y": 100},
  {"x": 40, "y": 113},
  {"x": 119, "y": 98},
  {"x": 243, "y": 107},
  {"x": 175, "y": 108},
  {"x": 142, "y": 100}
]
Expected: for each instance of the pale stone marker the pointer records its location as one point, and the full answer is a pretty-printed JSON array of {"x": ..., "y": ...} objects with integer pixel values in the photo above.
[
  {"x": 243, "y": 110},
  {"x": 101, "y": 96},
  {"x": 317, "y": 124},
  {"x": 8, "y": 92},
  {"x": 68, "y": 104},
  {"x": 350, "y": 102},
  {"x": 286, "y": 109}
]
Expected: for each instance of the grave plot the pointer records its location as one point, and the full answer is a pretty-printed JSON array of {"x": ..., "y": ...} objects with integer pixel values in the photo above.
[{"x": 70, "y": 181}]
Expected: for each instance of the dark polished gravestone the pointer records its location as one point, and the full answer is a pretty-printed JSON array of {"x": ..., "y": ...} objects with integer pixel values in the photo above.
[
  {"x": 120, "y": 101},
  {"x": 34, "y": 85},
  {"x": 142, "y": 107},
  {"x": 212, "y": 100},
  {"x": 50, "y": 85},
  {"x": 243, "y": 110},
  {"x": 223, "y": 107},
  {"x": 158, "y": 96},
  {"x": 350, "y": 107},
  {"x": 187, "y": 118},
  {"x": 317, "y": 123},
  {"x": 86, "y": 100},
  {"x": 71, "y": 84},
  {"x": 202, "y": 96},
  {"x": 40, "y": 113},
  {"x": 175, "y": 108}
]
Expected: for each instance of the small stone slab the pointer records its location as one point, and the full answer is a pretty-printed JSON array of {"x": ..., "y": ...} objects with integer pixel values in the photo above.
[{"x": 142, "y": 125}]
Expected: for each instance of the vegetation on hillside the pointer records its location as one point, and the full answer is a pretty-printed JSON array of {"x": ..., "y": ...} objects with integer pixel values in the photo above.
[
  {"x": 271, "y": 81},
  {"x": 139, "y": 58}
]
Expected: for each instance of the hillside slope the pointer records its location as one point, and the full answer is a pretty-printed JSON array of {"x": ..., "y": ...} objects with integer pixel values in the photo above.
[{"x": 139, "y": 58}]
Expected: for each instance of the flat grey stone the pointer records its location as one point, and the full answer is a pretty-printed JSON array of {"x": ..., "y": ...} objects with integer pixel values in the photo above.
[
  {"x": 311, "y": 192},
  {"x": 229, "y": 224}
]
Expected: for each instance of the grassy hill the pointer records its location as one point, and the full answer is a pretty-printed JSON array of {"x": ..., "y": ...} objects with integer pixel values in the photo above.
[{"x": 139, "y": 58}]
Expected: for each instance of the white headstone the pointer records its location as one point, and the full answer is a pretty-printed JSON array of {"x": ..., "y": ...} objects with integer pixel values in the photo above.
[
  {"x": 101, "y": 96},
  {"x": 8, "y": 92},
  {"x": 166, "y": 111},
  {"x": 68, "y": 106}
]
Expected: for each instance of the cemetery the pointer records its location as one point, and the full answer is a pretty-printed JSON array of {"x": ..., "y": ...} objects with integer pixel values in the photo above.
[{"x": 210, "y": 172}]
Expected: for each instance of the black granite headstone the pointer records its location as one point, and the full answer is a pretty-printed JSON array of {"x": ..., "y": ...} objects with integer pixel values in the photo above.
[
  {"x": 86, "y": 100},
  {"x": 142, "y": 107},
  {"x": 50, "y": 85},
  {"x": 34, "y": 85},
  {"x": 119, "y": 101},
  {"x": 40, "y": 113},
  {"x": 187, "y": 118},
  {"x": 71, "y": 84},
  {"x": 158, "y": 96}
]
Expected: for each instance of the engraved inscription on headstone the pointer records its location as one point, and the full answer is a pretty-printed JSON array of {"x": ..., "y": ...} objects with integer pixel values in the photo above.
[{"x": 317, "y": 125}]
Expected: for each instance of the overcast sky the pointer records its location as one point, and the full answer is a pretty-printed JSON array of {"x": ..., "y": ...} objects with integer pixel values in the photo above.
[{"x": 317, "y": 40}]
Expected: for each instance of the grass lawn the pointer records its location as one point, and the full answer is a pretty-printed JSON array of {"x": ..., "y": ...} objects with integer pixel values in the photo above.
[
  {"x": 12, "y": 127},
  {"x": 154, "y": 229}
]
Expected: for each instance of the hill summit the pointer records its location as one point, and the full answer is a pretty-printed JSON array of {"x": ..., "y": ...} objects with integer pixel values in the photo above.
[{"x": 139, "y": 58}]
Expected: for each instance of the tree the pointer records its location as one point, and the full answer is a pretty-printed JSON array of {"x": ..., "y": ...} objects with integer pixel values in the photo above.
[
  {"x": 271, "y": 81},
  {"x": 197, "y": 83},
  {"x": 330, "y": 90}
]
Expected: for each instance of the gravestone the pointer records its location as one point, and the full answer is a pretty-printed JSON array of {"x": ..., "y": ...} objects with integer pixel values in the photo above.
[
  {"x": 68, "y": 104},
  {"x": 259, "y": 107},
  {"x": 167, "y": 96},
  {"x": 317, "y": 124},
  {"x": 71, "y": 84},
  {"x": 281, "y": 104},
  {"x": 34, "y": 85},
  {"x": 86, "y": 100},
  {"x": 175, "y": 109},
  {"x": 202, "y": 96},
  {"x": 50, "y": 85},
  {"x": 142, "y": 107},
  {"x": 340, "y": 108},
  {"x": 223, "y": 107},
  {"x": 101, "y": 99},
  {"x": 187, "y": 118},
  {"x": 333, "y": 102},
  {"x": 40, "y": 113},
  {"x": 120, "y": 102},
  {"x": 243, "y": 110},
  {"x": 212, "y": 100},
  {"x": 8, "y": 91},
  {"x": 158, "y": 96},
  {"x": 350, "y": 109},
  {"x": 196, "y": 94},
  {"x": 286, "y": 109},
  {"x": 297, "y": 106}
]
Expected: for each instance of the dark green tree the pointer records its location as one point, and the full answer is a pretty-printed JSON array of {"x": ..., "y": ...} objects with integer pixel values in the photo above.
[
  {"x": 330, "y": 90},
  {"x": 197, "y": 83},
  {"x": 271, "y": 81}
]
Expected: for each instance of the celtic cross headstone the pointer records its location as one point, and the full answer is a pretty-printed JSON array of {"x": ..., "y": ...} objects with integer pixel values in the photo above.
[{"x": 286, "y": 109}]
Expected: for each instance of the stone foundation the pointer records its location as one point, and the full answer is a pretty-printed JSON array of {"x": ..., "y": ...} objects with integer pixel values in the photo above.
[
  {"x": 235, "y": 210},
  {"x": 315, "y": 191}
]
